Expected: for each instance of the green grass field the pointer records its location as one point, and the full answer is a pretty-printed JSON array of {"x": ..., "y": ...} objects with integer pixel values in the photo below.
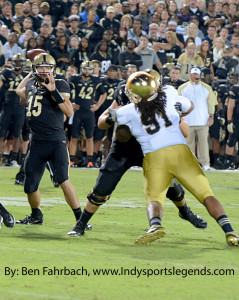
[{"x": 110, "y": 245}]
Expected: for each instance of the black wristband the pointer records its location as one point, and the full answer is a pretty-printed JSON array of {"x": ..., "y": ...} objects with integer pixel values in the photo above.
[
  {"x": 57, "y": 97},
  {"x": 109, "y": 120}
]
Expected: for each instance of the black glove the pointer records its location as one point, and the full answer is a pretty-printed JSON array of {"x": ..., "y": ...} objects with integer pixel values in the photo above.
[{"x": 178, "y": 107}]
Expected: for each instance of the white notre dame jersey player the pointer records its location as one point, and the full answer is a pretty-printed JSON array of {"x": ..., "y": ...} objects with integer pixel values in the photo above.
[
  {"x": 160, "y": 134},
  {"x": 166, "y": 154}
]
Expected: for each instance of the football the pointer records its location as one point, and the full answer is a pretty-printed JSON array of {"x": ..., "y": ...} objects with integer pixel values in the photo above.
[
  {"x": 34, "y": 52},
  {"x": 123, "y": 133}
]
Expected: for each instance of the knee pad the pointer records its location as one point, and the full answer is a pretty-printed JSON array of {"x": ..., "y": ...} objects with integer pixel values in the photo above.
[
  {"x": 175, "y": 193},
  {"x": 97, "y": 200}
]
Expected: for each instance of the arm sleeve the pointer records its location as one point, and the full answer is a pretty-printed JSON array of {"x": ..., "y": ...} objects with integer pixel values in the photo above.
[
  {"x": 186, "y": 103},
  {"x": 63, "y": 87},
  {"x": 212, "y": 101}
]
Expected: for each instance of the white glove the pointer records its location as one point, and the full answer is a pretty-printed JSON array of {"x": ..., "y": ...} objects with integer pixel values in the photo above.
[{"x": 230, "y": 127}]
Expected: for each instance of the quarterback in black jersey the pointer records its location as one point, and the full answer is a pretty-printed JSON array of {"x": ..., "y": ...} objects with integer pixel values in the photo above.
[
  {"x": 13, "y": 114},
  {"x": 85, "y": 87},
  {"x": 123, "y": 156},
  {"x": 47, "y": 102}
]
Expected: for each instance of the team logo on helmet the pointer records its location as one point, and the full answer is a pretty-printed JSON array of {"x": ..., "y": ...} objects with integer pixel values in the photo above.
[{"x": 141, "y": 86}]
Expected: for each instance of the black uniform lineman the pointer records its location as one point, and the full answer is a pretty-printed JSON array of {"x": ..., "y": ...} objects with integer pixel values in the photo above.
[{"x": 123, "y": 156}]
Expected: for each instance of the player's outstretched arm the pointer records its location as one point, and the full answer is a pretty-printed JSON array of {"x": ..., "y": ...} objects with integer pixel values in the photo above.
[{"x": 104, "y": 121}]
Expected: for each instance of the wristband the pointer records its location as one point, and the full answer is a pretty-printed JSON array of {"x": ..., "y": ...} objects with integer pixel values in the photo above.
[{"x": 57, "y": 97}]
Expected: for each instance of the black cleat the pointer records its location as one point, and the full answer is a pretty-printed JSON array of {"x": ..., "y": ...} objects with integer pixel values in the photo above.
[
  {"x": 30, "y": 220},
  {"x": 8, "y": 219},
  {"x": 88, "y": 227},
  {"x": 194, "y": 219},
  {"x": 78, "y": 230},
  {"x": 19, "y": 182}
]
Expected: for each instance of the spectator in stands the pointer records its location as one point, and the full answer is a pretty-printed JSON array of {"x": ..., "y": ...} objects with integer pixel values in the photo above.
[
  {"x": 74, "y": 22},
  {"x": 172, "y": 26},
  {"x": 188, "y": 60},
  {"x": 195, "y": 11},
  {"x": 11, "y": 47},
  {"x": 83, "y": 16},
  {"x": 136, "y": 31},
  {"x": 3, "y": 34},
  {"x": 164, "y": 16},
  {"x": 112, "y": 46},
  {"x": 109, "y": 23},
  {"x": 74, "y": 44},
  {"x": 218, "y": 47},
  {"x": 27, "y": 35},
  {"x": 148, "y": 55},
  {"x": 49, "y": 39},
  {"x": 35, "y": 16},
  {"x": 18, "y": 11},
  {"x": 172, "y": 8},
  {"x": 48, "y": 19},
  {"x": 144, "y": 15},
  {"x": 225, "y": 64},
  {"x": 31, "y": 44},
  {"x": 201, "y": 118},
  {"x": 121, "y": 38},
  {"x": 207, "y": 56},
  {"x": 17, "y": 27},
  {"x": 82, "y": 53},
  {"x": 118, "y": 11},
  {"x": 175, "y": 51},
  {"x": 126, "y": 21},
  {"x": 134, "y": 11},
  {"x": 184, "y": 16},
  {"x": 195, "y": 20},
  {"x": 129, "y": 56},
  {"x": 6, "y": 15},
  {"x": 101, "y": 54},
  {"x": 174, "y": 77},
  {"x": 44, "y": 9},
  {"x": 211, "y": 34},
  {"x": 61, "y": 55},
  {"x": 125, "y": 8},
  {"x": 159, "y": 7},
  {"x": 92, "y": 30},
  {"x": 40, "y": 42},
  {"x": 224, "y": 34},
  {"x": 192, "y": 31},
  {"x": 27, "y": 25}
]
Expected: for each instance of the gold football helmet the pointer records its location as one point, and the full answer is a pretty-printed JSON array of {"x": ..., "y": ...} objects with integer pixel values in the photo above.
[
  {"x": 86, "y": 65},
  {"x": 155, "y": 75},
  {"x": 18, "y": 61},
  {"x": 141, "y": 86},
  {"x": 43, "y": 60}
]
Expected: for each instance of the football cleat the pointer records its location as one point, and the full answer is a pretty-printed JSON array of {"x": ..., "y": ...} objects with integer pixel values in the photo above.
[
  {"x": 19, "y": 182},
  {"x": 14, "y": 164},
  {"x": 232, "y": 238},
  {"x": 7, "y": 217},
  {"x": 155, "y": 232},
  {"x": 194, "y": 219},
  {"x": 90, "y": 165},
  {"x": 78, "y": 230},
  {"x": 88, "y": 227},
  {"x": 30, "y": 220}
]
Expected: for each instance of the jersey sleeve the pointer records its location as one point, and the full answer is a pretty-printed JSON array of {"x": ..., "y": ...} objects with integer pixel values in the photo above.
[
  {"x": 63, "y": 87},
  {"x": 233, "y": 92},
  {"x": 123, "y": 115},
  {"x": 29, "y": 84}
]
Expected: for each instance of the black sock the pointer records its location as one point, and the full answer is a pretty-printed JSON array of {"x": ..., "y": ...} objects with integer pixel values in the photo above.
[
  {"x": 13, "y": 156},
  {"x": 23, "y": 158},
  {"x": 85, "y": 217},
  {"x": 154, "y": 221},
  {"x": 224, "y": 223},
  {"x": 77, "y": 212},
  {"x": 90, "y": 158},
  {"x": 72, "y": 158},
  {"x": 3, "y": 209},
  {"x": 183, "y": 209},
  {"x": 36, "y": 213},
  {"x": 94, "y": 156}
]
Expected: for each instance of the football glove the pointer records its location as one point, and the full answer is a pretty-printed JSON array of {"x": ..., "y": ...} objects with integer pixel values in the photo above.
[
  {"x": 178, "y": 107},
  {"x": 230, "y": 127},
  {"x": 112, "y": 118}
]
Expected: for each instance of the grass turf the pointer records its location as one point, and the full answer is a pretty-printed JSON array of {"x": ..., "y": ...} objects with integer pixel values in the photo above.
[{"x": 110, "y": 245}]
